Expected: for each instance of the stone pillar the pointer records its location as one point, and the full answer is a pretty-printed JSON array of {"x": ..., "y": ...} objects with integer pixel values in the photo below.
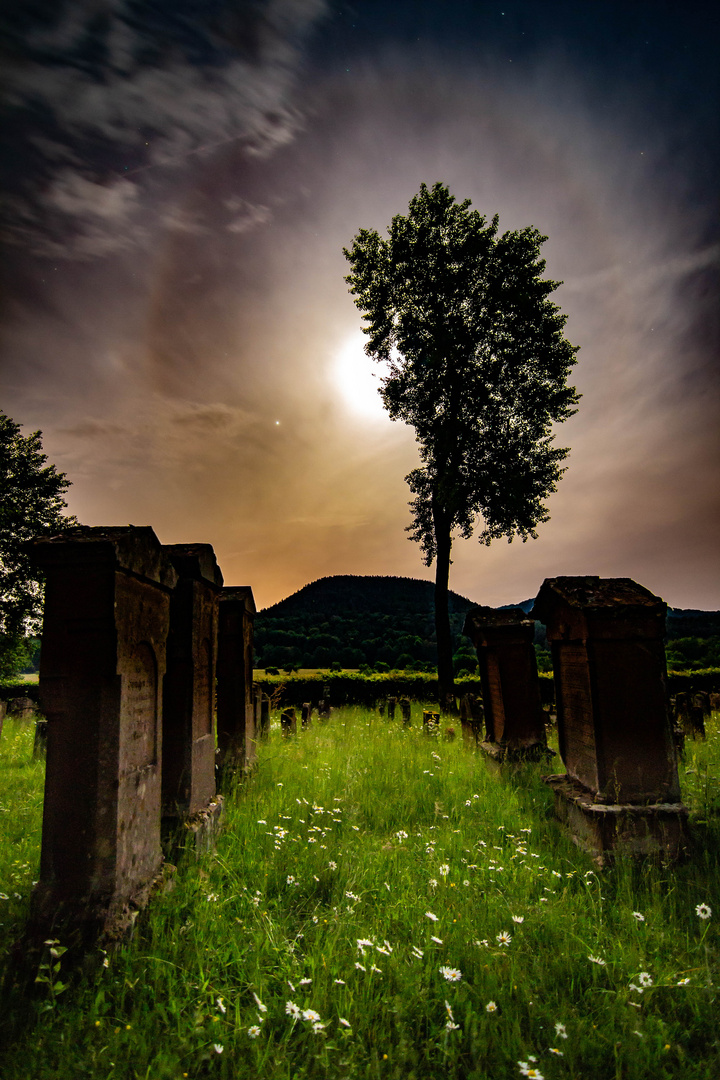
[
  {"x": 107, "y": 615},
  {"x": 188, "y": 754},
  {"x": 288, "y": 722},
  {"x": 235, "y": 713},
  {"x": 471, "y": 719},
  {"x": 514, "y": 719},
  {"x": 621, "y": 788},
  {"x": 264, "y": 717}
]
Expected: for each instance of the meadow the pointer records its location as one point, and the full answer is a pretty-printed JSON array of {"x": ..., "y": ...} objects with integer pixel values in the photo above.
[{"x": 381, "y": 904}]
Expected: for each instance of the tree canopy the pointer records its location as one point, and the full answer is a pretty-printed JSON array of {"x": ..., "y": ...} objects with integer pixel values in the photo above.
[
  {"x": 31, "y": 503},
  {"x": 476, "y": 361}
]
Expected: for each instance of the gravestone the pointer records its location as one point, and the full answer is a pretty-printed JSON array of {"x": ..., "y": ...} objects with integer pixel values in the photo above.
[
  {"x": 21, "y": 708},
  {"x": 471, "y": 719},
  {"x": 391, "y": 703},
  {"x": 306, "y": 710},
  {"x": 264, "y": 716},
  {"x": 324, "y": 708},
  {"x": 715, "y": 702},
  {"x": 107, "y": 615},
  {"x": 288, "y": 722},
  {"x": 621, "y": 790},
  {"x": 188, "y": 749},
  {"x": 405, "y": 710},
  {"x": 431, "y": 720},
  {"x": 514, "y": 718},
  {"x": 235, "y": 710}
]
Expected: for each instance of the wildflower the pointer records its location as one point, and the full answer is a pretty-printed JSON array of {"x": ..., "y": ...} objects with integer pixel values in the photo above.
[
  {"x": 466, "y": 882},
  {"x": 344, "y": 1022},
  {"x": 292, "y": 1010},
  {"x": 261, "y": 821},
  {"x": 704, "y": 911},
  {"x": 448, "y": 1009},
  {"x": 560, "y": 1030},
  {"x": 503, "y": 938},
  {"x": 554, "y": 1050},
  {"x": 332, "y": 865},
  {"x": 638, "y": 989},
  {"x": 310, "y": 1014},
  {"x": 437, "y": 940},
  {"x": 491, "y": 1007},
  {"x": 218, "y": 1048},
  {"x": 351, "y": 896},
  {"x": 258, "y": 1002},
  {"x": 683, "y": 982},
  {"x": 374, "y": 968},
  {"x": 432, "y": 883},
  {"x": 451, "y": 974},
  {"x": 213, "y": 896},
  {"x": 468, "y": 802},
  {"x": 362, "y": 943},
  {"x": 597, "y": 960},
  {"x": 452, "y": 1026},
  {"x": 401, "y": 835},
  {"x": 221, "y": 1004},
  {"x": 429, "y": 915},
  {"x": 304, "y": 982},
  {"x": 444, "y": 870},
  {"x": 106, "y": 962},
  {"x": 339, "y": 982},
  {"x": 360, "y": 967},
  {"x": 638, "y": 916},
  {"x": 290, "y": 879},
  {"x": 253, "y": 1032},
  {"x": 518, "y": 918},
  {"x": 418, "y": 953},
  {"x": 317, "y": 1026}
]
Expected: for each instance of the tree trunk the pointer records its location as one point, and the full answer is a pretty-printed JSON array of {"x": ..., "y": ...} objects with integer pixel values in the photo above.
[{"x": 443, "y": 542}]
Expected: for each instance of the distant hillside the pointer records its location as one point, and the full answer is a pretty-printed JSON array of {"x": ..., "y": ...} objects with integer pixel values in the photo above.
[
  {"x": 355, "y": 620},
  {"x": 380, "y": 622}
]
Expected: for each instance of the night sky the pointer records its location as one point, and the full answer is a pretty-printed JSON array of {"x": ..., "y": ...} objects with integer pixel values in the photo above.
[{"x": 179, "y": 180}]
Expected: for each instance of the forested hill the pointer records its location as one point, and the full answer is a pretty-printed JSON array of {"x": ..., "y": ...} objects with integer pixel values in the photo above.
[
  {"x": 355, "y": 620},
  {"x": 388, "y": 622}
]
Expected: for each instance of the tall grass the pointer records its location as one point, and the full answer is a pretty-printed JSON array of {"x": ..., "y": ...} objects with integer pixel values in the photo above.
[{"x": 380, "y": 904}]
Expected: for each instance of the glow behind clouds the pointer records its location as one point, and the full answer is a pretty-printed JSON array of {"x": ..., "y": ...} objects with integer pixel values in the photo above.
[{"x": 214, "y": 305}]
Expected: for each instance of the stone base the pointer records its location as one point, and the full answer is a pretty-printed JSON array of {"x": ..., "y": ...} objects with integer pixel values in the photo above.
[
  {"x": 606, "y": 830},
  {"x": 91, "y": 921},
  {"x": 203, "y": 828},
  {"x": 504, "y": 754}
]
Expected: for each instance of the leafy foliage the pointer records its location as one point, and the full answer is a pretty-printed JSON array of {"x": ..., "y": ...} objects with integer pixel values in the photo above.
[
  {"x": 31, "y": 503},
  {"x": 477, "y": 363}
]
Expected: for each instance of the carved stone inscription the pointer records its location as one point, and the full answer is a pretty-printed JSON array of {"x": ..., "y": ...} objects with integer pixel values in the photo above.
[
  {"x": 139, "y": 708},
  {"x": 577, "y": 734},
  {"x": 203, "y": 690}
]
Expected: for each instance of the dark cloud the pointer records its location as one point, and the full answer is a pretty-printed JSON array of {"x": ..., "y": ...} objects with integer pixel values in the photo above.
[{"x": 102, "y": 100}]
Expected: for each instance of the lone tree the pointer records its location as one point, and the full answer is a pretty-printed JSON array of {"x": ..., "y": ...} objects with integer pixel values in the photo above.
[
  {"x": 477, "y": 363},
  {"x": 31, "y": 503}
]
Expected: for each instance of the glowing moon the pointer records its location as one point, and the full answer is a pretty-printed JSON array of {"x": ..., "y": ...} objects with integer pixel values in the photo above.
[{"x": 358, "y": 378}]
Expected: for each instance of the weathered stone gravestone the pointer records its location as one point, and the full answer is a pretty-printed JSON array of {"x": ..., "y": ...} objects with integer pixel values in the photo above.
[
  {"x": 391, "y": 703},
  {"x": 306, "y": 712},
  {"x": 264, "y": 716},
  {"x": 107, "y": 615},
  {"x": 288, "y": 722},
  {"x": 621, "y": 791},
  {"x": 472, "y": 719},
  {"x": 235, "y": 709},
  {"x": 21, "y": 708},
  {"x": 405, "y": 710},
  {"x": 324, "y": 708},
  {"x": 188, "y": 748},
  {"x": 431, "y": 721},
  {"x": 514, "y": 718}
]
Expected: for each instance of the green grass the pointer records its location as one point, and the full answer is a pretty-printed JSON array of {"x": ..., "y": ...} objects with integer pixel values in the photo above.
[{"x": 356, "y": 830}]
